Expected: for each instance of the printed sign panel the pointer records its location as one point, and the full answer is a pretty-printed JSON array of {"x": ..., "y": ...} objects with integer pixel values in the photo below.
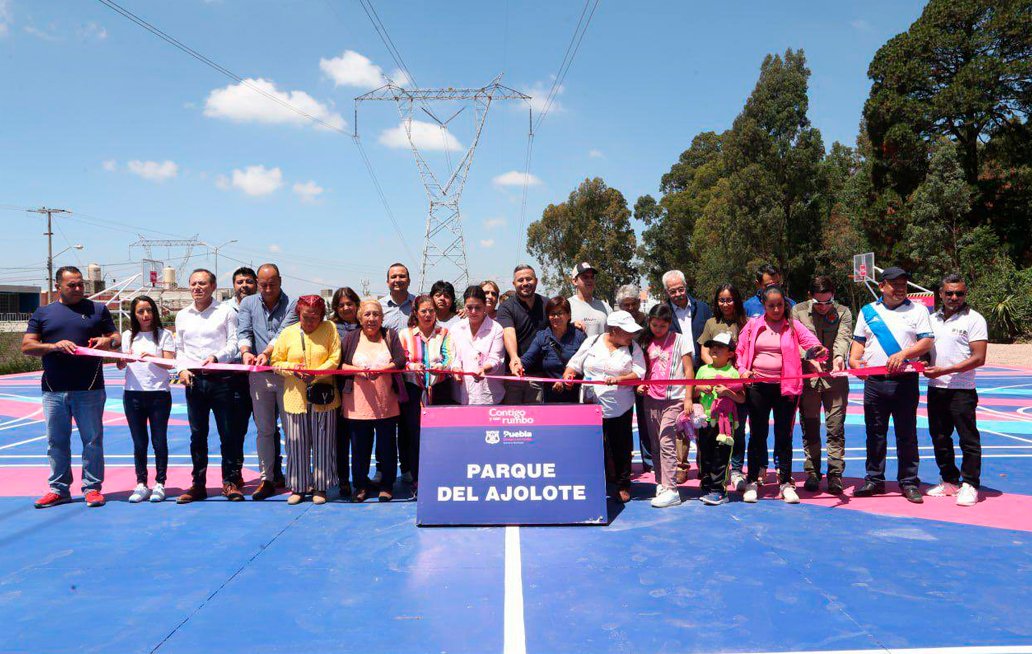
[{"x": 511, "y": 465}]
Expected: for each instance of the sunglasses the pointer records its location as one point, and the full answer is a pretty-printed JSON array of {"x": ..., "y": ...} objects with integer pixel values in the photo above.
[
  {"x": 825, "y": 302},
  {"x": 955, "y": 293}
]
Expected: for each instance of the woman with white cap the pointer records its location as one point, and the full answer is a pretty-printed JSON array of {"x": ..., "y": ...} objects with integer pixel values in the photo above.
[{"x": 613, "y": 357}]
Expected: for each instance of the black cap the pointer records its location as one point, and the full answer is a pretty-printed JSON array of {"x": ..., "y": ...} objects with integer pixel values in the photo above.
[
  {"x": 583, "y": 268},
  {"x": 893, "y": 273}
]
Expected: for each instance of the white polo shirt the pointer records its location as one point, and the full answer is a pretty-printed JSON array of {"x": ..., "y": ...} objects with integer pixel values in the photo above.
[
  {"x": 908, "y": 322},
  {"x": 953, "y": 339}
]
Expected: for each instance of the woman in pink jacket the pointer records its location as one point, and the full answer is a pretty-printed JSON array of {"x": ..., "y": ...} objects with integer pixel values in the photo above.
[{"x": 769, "y": 346}]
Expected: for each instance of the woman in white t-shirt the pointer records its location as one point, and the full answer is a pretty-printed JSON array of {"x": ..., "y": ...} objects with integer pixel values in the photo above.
[
  {"x": 146, "y": 397},
  {"x": 613, "y": 357}
]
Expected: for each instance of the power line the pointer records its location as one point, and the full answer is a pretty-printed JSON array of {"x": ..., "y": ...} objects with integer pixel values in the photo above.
[
  {"x": 233, "y": 76},
  {"x": 381, "y": 31}
]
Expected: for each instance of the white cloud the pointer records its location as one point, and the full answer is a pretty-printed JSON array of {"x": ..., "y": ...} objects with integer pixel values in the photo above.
[
  {"x": 241, "y": 104},
  {"x": 487, "y": 242},
  {"x": 153, "y": 170},
  {"x": 354, "y": 69},
  {"x": 40, "y": 34},
  {"x": 253, "y": 180},
  {"x": 275, "y": 248},
  {"x": 516, "y": 178},
  {"x": 93, "y": 31},
  {"x": 596, "y": 154},
  {"x": 538, "y": 93},
  {"x": 493, "y": 223},
  {"x": 309, "y": 191},
  {"x": 860, "y": 24},
  {"x": 426, "y": 136},
  {"x": 110, "y": 165},
  {"x": 6, "y": 17}
]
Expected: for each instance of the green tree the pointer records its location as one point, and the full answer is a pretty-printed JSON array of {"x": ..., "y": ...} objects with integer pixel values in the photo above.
[
  {"x": 963, "y": 70},
  {"x": 766, "y": 207},
  {"x": 594, "y": 225},
  {"x": 669, "y": 223}
]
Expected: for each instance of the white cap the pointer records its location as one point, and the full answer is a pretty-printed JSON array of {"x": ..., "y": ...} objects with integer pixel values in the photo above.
[
  {"x": 723, "y": 338},
  {"x": 624, "y": 321}
]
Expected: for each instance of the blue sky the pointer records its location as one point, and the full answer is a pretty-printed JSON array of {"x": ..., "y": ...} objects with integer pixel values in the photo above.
[{"x": 105, "y": 119}]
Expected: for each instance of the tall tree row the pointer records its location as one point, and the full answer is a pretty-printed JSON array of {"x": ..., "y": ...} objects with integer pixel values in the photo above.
[{"x": 939, "y": 180}]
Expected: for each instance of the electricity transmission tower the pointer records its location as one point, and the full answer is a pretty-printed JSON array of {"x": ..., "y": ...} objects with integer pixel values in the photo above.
[
  {"x": 444, "y": 248},
  {"x": 148, "y": 244}
]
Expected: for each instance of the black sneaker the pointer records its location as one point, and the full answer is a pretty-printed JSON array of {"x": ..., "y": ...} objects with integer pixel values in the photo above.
[
  {"x": 812, "y": 484},
  {"x": 834, "y": 485}
]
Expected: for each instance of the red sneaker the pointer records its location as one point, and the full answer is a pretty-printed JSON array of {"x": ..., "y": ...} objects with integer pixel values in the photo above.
[
  {"x": 94, "y": 498},
  {"x": 52, "y": 499}
]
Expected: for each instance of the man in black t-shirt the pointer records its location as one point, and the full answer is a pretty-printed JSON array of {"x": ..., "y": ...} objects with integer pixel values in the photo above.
[
  {"x": 73, "y": 386},
  {"x": 521, "y": 317}
]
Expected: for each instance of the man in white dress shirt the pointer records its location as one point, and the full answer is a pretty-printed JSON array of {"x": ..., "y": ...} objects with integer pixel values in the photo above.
[{"x": 206, "y": 332}]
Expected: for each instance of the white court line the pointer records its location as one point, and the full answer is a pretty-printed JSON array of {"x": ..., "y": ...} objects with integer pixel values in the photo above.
[
  {"x": 515, "y": 630},
  {"x": 980, "y": 649}
]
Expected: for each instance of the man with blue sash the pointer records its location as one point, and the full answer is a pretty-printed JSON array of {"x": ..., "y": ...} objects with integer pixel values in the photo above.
[{"x": 890, "y": 332}]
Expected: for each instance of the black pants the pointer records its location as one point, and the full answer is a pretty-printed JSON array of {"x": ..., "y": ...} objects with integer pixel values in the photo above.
[
  {"x": 764, "y": 398},
  {"x": 226, "y": 396},
  {"x": 893, "y": 397},
  {"x": 406, "y": 436},
  {"x": 949, "y": 409},
  {"x": 644, "y": 440},
  {"x": 141, "y": 408},
  {"x": 343, "y": 451},
  {"x": 618, "y": 442},
  {"x": 408, "y": 424},
  {"x": 714, "y": 461},
  {"x": 738, "y": 449},
  {"x": 364, "y": 433}
]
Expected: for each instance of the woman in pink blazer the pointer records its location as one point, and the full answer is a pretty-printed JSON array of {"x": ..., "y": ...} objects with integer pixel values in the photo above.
[{"x": 771, "y": 346}]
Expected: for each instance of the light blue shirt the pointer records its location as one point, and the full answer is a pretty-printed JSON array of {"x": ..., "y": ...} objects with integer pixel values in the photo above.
[
  {"x": 395, "y": 316},
  {"x": 258, "y": 326}
]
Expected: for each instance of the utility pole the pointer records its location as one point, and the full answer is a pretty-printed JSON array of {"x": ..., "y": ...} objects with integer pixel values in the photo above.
[
  {"x": 50, "y": 246},
  {"x": 365, "y": 288},
  {"x": 215, "y": 249},
  {"x": 444, "y": 242}
]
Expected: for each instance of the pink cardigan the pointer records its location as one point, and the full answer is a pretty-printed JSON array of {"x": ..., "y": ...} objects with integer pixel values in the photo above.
[{"x": 791, "y": 360}]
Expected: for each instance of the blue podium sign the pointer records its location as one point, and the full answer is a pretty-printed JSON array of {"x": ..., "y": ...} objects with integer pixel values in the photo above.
[{"x": 511, "y": 465}]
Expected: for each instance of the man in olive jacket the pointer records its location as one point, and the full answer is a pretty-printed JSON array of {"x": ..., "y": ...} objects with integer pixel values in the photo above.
[{"x": 833, "y": 325}]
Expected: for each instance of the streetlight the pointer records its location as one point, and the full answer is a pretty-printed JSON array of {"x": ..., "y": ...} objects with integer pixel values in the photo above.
[
  {"x": 216, "y": 249},
  {"x": 50, "y": 268}
]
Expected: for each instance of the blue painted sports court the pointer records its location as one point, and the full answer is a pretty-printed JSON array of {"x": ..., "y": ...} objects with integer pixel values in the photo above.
[{"x": 827, "y": 575}]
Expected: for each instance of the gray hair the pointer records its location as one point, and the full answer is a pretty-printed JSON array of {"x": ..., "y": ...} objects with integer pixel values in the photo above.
[
  {"x": 672, "y": 275},
  {"x": 627, "y": 292},
  {"x": 952, "y": 278}
]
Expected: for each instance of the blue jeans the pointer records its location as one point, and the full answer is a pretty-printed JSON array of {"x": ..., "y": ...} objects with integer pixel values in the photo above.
[{"x": 87, "y": 408}]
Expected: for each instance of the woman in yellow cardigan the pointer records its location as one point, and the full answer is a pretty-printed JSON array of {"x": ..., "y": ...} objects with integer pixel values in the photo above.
[{"x": 310, "y": 402}]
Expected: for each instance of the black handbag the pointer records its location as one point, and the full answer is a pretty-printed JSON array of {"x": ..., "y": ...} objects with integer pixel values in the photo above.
[{"x": 319, "y": 394}]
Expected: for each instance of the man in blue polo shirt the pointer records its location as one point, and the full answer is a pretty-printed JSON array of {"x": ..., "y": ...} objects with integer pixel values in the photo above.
[
  {"x": 890, "y": 332},
  {"x": 73, "y": 386},
  {"x": 766, "y": 276}
]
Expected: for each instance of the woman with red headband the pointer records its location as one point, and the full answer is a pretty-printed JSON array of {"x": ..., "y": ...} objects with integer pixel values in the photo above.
[{"x": 310, "y": 401}]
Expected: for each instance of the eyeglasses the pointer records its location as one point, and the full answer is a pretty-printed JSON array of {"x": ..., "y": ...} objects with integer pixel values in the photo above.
[
  {"x": 955, "y": 293},
  {"x": 825, "y": 302},
  {"x": 726, "y": 300}
]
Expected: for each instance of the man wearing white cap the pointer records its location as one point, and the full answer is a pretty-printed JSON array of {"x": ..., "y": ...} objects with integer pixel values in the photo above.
[
  {"x": 588, "y": 312},
  {"x": 613, "y": 357}
]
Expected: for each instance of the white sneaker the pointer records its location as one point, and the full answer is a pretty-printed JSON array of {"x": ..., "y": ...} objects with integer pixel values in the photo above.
[
  {"x": 659, "y": 490},
  {"x": 158, "y": 494},
  {"x": 737, "y": 481},
  {"x": 669, "y": 497},
  {"x": 968, "y": 495},
  {"x": 788, "y": 493},
  {"x": 943, "y": 489},
  {"x": 751, "y": 493},
  {"x": 140, "y": 493}
]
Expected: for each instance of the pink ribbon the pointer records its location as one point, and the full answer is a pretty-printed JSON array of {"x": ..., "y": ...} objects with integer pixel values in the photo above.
[{"x": 911, "y": 366}]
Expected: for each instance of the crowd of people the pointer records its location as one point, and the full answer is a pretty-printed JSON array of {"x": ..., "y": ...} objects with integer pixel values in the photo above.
[{"x": 404, "y": 352}]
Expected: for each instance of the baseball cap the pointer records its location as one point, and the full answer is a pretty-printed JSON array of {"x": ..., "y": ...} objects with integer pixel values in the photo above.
[
  {"x": 583, "y": 267},
  {"x": 723, "y": 338},
  {"x": 893, "y": 273},
  {"x": 624, "y": 321}
]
